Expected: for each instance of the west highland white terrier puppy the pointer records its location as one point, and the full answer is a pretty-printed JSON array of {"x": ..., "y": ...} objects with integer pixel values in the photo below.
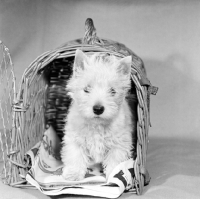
[{"x": 99, "y": 124}]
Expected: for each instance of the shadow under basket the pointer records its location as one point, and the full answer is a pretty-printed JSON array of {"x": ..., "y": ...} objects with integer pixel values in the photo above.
[{"x": 42, "y": 101}]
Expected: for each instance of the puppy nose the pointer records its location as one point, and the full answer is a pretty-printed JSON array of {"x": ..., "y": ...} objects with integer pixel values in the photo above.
[{"x": 98, "y": 109}]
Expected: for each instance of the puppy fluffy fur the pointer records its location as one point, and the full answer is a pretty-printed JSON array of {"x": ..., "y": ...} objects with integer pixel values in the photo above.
[{"x": 99, "y": 123}]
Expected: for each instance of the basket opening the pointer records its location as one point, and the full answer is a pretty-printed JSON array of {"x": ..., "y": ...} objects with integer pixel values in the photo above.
[{"x": 57, "y": 74}]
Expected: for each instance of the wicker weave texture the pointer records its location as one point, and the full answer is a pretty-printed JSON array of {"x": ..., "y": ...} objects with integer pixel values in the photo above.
[{"x": 7, "y": 94}]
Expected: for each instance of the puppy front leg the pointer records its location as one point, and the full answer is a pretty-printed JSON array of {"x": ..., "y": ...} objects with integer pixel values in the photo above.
[
  {"x": 114, "y": 157},
  {"x": 74, "y": 159}
]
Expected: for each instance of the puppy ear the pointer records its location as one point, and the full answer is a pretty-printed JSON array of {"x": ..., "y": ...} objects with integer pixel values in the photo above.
[
  {"x": 124, "y": 65},
  {"x": 80, "y": 60}
]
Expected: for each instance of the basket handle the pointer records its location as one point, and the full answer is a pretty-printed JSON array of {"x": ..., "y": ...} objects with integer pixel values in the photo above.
[{"x": 90, "y": 36}]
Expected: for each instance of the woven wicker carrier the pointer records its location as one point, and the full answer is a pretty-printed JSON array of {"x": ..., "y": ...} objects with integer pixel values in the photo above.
[{"x": 42, "y": 101}]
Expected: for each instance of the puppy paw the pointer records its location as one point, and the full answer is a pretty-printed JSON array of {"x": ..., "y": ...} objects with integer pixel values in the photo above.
[{"x": 73, "y": 173}]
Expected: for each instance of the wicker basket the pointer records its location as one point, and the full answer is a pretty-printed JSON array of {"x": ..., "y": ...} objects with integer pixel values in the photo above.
[{"x": 41, "y": 101}]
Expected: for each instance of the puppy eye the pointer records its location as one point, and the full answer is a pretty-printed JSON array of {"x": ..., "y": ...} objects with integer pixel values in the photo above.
[
  {"x": 86, "y": 89},
  {"x": 112, "y": 91}
]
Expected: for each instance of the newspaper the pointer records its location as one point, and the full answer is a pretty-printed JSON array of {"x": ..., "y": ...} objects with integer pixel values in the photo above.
[{"x": 45, "y": 173}]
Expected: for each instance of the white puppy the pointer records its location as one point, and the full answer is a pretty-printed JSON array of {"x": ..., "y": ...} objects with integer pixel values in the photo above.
[{"x": 99, "y": 124}]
